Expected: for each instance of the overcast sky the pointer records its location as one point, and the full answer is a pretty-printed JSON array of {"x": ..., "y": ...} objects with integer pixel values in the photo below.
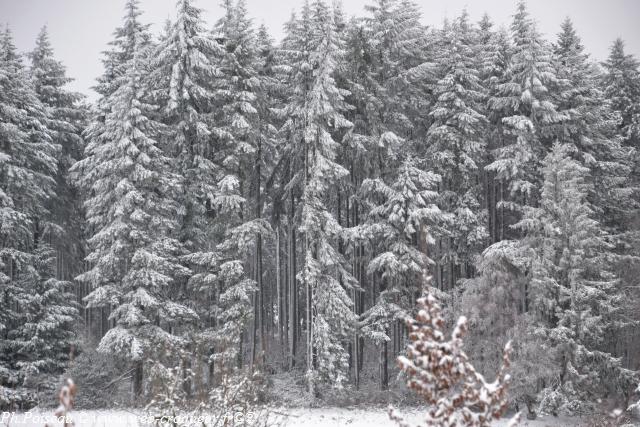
[{"x": 81, "y": 29}]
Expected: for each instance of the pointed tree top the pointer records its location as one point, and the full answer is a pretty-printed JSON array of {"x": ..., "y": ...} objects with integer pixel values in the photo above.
[
  {"x": 619, "y": 59},
  {"x": 568, "y": 39},
  {"x": 43, "y": 47},
  {"x": 485, "y": 22},
  {"x": 8, "y": 51},
  {"x": 522, "y": 26}
]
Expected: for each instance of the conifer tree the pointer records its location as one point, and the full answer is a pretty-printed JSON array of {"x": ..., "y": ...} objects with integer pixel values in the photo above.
[
  {"x": 65, "y": 122},
  {"x": 234, "y": 308},
  {"x": 572, "y": 288},
  {"x": 495, "y": 49},
  {"x": 183, "y": 79},
  {"x": 316, "y": 118},
  {"x": 114, "y": 62},
  {"x": 622, "y": 87},
  {"x": 400, "y": 214},
  {"x": 28, "y": 168},
  {"x": 45, "y": 339},
  {"x": 121, "y": 48},
  {"x": 455, "y": 149},
  {"x": 528, "y": 114},
  {"x": 244, "y": 137},
  {"x": 590, "y": 125},
  {"x": 136, "y": 217}
]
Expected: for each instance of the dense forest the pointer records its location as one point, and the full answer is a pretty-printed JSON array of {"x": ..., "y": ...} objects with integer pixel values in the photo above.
[{"x": 234, "y": 213}]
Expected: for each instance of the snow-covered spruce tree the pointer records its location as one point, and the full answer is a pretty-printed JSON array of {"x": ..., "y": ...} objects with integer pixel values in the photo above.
[
  {"x": 495, "y": 53},
  {"x": 440, "y": 373},
  {"x": 590, "y": 125},
  {"x": 395, "y": 74},
  {"x": 115, "y": 61},
  {"x": 121, "y": 48},
  {"x": 66, "y": 119},
  {"x": 621, "y": 85},
  {"x": 315, "y": 118},
  {"x": 245, "y": 139},
  {"x": 527, "y": 115},
  {"x": 324, "y": 274},
  {"x": 185, "y": 71},
  {"x": 234, "y": 305},
  {"x": 184, "y": 77},
  {"x": 573, "y": 291},
  {"x": 28, "y": 166},
  {"x": 621, "y": 82},
  {"x": 493, "y": 302},
  {"x": 398, "y": 214},
  {"x": 385, "y": 70},
  {"x": 46, "y": 336},
  {"x": 454, "y": 148},
  {"x": 237, "y": 90},
  {"x": 136, "y": 218}
]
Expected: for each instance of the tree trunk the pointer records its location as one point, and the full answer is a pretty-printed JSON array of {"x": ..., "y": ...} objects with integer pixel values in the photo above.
[
  {"x": 138, "y": 373},
  {"x": 293, "y": 292}
]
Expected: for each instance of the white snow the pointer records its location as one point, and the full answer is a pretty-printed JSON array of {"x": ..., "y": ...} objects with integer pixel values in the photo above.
[{"x": 298, "y": 417}]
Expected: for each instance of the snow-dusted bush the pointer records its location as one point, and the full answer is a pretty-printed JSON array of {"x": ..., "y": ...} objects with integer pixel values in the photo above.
[{"x": 439, "y": 371}]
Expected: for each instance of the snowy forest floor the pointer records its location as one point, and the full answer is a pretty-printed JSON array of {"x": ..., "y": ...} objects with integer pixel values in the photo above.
[{"x": 303, "y": 417}]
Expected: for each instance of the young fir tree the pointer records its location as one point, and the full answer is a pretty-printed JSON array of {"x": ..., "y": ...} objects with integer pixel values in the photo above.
[
  {"x": 28, "y": 167},
  {"x": 440, "y": 373},
  {"x": 455, "y": 147},
  {"x": 573, "y": 291},
  {"x": 134, "y": 211}
]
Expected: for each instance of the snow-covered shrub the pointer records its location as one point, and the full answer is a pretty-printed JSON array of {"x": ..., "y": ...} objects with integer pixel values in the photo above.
[
  {"x": 238, "y": 400},
  {"x": 99, "y": 377},
  {"x": 165, "y": 385},
  {"x": 563, "y": 400},
  {"x": 12, "y": 399},
  {"x": 439, "y": 371}
]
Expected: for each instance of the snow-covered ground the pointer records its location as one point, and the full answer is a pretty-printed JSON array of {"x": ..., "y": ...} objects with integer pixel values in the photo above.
[{"x": 302, "y": 417}]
